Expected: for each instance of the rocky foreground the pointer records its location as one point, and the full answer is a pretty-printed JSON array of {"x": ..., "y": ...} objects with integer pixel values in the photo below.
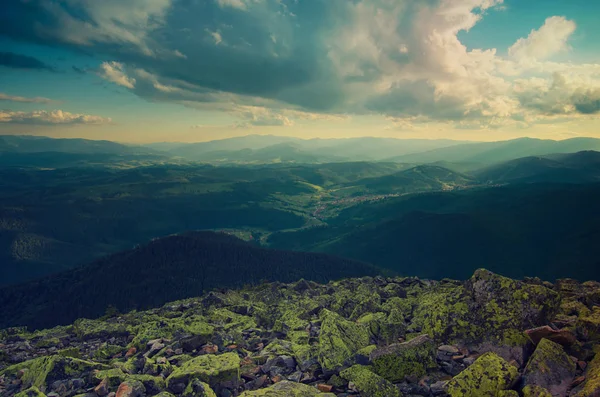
[{"x": 371, "y": 337}]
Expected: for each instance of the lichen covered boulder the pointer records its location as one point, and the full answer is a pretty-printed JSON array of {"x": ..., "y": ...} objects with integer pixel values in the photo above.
[
  {"x": 551, "y": 368},
  {"x": 589, "y": 326},
  {"x": 287, "y": 389},
  {"x": 486, "y": 377},
  {"x": 398, "y": 360},
  {"x": 42, "y": 371},
  {"x": 368, "y": 383},
  {"x": 31, "y": 392},
  {"x": 591, "y": 386},
  {"x": 211, "y": 369},
  {"x": 197, "y": 388},
  {"x": 535, "y": 391},
  {"x": 339, "y": 340}
]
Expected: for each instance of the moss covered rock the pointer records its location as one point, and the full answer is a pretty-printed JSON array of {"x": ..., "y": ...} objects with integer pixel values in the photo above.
[
  {"x": 398, "y": 360},
  {"x": 591, "y": 386},
  {"x": 211, "y": 369},
  {"x": 42, "y": 371},
  {"x": 31, "y": 392},
  {"x": 368, "y": 383},
  {"x": 589, "y": 326},
  {"x": 198, "y": 388},
  {"x": 486, "y": 377},
  {"x": 535, "y": 391},
  {"x": 550, "y": 367},
  {"x": 90, "y": 329},
  {"x": 339, "y": 340},
  {"x": 287, "y": 389}
]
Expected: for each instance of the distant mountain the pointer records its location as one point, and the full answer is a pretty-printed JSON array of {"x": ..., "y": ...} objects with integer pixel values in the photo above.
[
  {"x": 416, "y": 179},
  {"x": 545, "y": 230},
  {"x": 269, "y": 148},
  {"x": 581, "y": 167},
  {"x": 496, "y": 152},
  {"x": 166, "y": 269},
  {"x": 38, "y": 144}
]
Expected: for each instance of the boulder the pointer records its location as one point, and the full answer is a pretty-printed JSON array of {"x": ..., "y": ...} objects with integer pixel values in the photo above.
[
  {"x": 591, "y": 386},
  {"x": 488, "y": 375},
  {"x": 550, "y": 368},
  {"x": 212, "y": 369},
  {"x": 563, "y": 337},
  {"x": 43, "y": 371},
  {"x": 131, "y": 388},
  {"x": 287, "y": 389},
  {"x": 339, "y": 340},
  {"x": 398, "y": 360},
  {"x": 368, "y": 383},
  {"x": 197, "y": 388},
  {"x": 31, "y": 392}
]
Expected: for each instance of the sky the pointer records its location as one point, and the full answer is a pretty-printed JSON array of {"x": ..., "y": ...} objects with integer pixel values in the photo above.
[{"x": 195, "y": 70}]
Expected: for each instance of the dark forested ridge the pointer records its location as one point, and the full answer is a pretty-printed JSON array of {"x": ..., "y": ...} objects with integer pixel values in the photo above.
[{"x": 166, "y": 269}]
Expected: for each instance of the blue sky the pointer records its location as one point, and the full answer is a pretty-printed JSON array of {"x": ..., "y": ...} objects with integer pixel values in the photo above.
[{"x": 194, "y": 70}]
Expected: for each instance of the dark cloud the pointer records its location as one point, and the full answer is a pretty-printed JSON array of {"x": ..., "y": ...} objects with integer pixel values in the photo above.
[{"x": 18, "y": 61}]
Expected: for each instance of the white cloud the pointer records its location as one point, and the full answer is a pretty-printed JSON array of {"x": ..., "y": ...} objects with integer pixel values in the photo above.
[
  {"x": 268, "y": 65},
  {"x": 260, "y": 116},
  {"x": 50, "y": 117},
  {"x": 216, "y": 36},
  {"x": 14, "y": 98},
  {"x": 239, "y": 4},
  {"x": 113, "y": 71},
  {"x": 548, "y": 40}
]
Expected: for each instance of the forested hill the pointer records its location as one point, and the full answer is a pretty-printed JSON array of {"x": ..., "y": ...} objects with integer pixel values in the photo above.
[{"x": 166, "y": 269}]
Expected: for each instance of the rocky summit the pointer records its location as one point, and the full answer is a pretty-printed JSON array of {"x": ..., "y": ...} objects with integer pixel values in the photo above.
[{"x": 488, "y": 336}]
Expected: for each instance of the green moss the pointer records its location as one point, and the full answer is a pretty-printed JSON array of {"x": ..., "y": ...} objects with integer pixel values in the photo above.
[
  {"x": 385, "y": 328},
  {"x": 107, "y": 351},
  {"x": 31, "y": 392},
  {"x": 197, "y": 388},
  {"x": 339, "y": 340},
  {"x": 44, "y": 370},
  {"x": 151, "y": 383},
  {"x": 90, "y": 329},
  {"x": 287, "y": 389},
  {"x": 535, "y": 391},
  {"x": 114, "y": 376},
  {"x": 549, "y": 366},
  {"x": 368, "y": 383},
  {"x": 48, "y": 342},
  {"x": 486, "y": 377},
  {"x": 589, "y": 326},
  {"x": 155, "y": 327},
  {"x": 398, "y": 360},
  {"x": 591, "y": 386},
  {"x": 70, "y": 352},
  {"x": 212, "y": 369}
]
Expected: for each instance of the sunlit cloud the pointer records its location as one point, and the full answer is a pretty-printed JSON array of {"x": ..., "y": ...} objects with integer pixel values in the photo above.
[{"x": 43, "y": 117}]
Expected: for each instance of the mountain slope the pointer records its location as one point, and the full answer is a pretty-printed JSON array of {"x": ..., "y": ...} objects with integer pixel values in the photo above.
[
  {"x": 581, "y": 167},
  {"x": 549, "y": 231},
  {"x": 416, "y": 179},
  {"x": 37, "y": 144},
  {"x": 168, "y": 268},
  {"x": 496, "y": 152}
]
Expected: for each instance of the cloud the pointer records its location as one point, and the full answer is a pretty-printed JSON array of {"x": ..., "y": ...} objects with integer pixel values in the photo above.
[
  {"x": 43, "y": 117},
  {"x": 260, "y": 116},
  {"x": 18, "y": 61},
  {"x": 113, "y": 71},
  {"x": 279, "y": 62},
  {"x": 13, "y": 98},
  {"x": 548, "y": 40},
  {"x": 239, "y": 4}
]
